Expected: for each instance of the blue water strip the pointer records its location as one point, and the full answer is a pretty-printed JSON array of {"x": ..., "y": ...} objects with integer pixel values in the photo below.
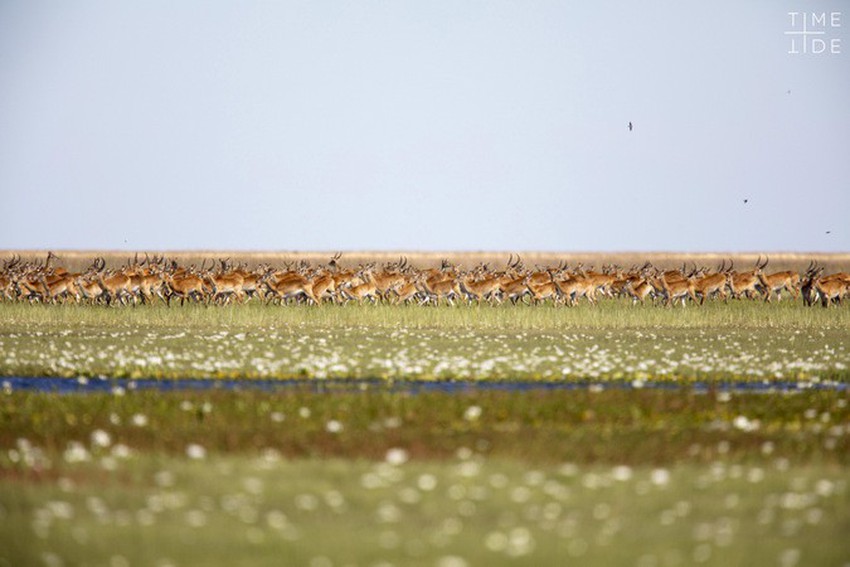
[{"x": 124, "y": 385}]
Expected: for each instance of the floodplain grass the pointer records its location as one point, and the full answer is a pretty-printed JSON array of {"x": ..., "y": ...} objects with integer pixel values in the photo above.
[
  {"x": 377, "y": 477},
  {"x": 466, "y": 512},
  {"x": 591, "y": 476},
  {"x": 616, "y": 341},
  {"x": 608, "y": 314}
]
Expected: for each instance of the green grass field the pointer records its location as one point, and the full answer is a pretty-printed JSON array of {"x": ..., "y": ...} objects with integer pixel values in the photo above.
[
  {"x": 613, "y": 341},
  {"x": 377, "y": 477}
]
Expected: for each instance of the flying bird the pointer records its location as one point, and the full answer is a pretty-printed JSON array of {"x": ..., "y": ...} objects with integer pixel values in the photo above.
[
  {"x": 746, "y": 201},
  {"x": 631, "y": 127},
  {"x": 829, "y": 232}
]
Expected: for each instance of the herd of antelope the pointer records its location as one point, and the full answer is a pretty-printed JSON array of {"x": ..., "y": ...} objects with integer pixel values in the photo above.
[{"x": 158, "y": 279}]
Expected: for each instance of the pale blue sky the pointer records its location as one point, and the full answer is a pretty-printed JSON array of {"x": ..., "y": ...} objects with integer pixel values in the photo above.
[{"x": 421, "y": 125}]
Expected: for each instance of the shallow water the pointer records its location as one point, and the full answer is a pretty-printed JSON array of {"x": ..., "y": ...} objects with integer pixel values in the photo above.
[{"x": 122, "y": 385}]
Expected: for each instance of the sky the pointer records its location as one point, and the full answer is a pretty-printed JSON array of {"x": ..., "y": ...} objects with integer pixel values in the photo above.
[{"x": 425, "y": 125}]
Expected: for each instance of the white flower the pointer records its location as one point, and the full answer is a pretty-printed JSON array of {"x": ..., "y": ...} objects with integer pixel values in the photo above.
[
  {"x": 100, "y": 438},
  {"x": 660, "y": 477},
  {"x": 76, "y": 453},
  {"x": 472, "y": 413},
  {"x": 139, "y": 420},
  {"x": 397, "y": 456},
  {"x": 427, "y": 482},
  {"x": 452, "y": 561},
  {"x": 622, "y": 473},
  {"x": 744, "y": 424},
  {"x": 121, "y": 451},
  {"x": 195, "y": 451},
  {"x": 333, "y": 426}
]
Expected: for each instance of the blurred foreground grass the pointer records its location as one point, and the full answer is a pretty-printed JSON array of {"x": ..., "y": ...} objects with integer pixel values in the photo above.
[{"x": 381, "y": 478}]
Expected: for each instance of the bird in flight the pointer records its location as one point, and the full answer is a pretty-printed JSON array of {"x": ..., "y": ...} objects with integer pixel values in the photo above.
[
  {"x": 631, "y": 127},
  {"x": 746, "y": 201},
  {"x": 829, "y": 232}
]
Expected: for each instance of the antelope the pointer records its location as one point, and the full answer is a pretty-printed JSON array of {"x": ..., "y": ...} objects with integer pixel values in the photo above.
[
  {"x": 90, "y": 289},
  {"x": 187, "y": 286},
  {"x": 31, "y": 290},
  {"x": 6, "y": 287},
  {"x": 386, "y": 282},
  {"x": 777, "y": 281},
  {"x": 638, "y": 289},
  {"x": 832, "y": 288},
  {"x": 408, "y": 290},
  {"x": 60, "y": 288},
  {"x": 710, "y": 285},
  {"x": 437, "y": 289},
  {"x": 514, "y": 288},
  {"x": 366, "y": 290},
  {"x": 115, "y": 286},
  {"x": 549, "y": 290},
  {"x": 746, "y": 283},
  {"x": 224, "y": 285},
  {"x": 677, "y": 289},
  {"x": 574, "y": 287},
  {"x": 481, "y": 289},
  {"x": 324, "y": 285},
  {"x": 292, "y": 285},
  {"x": 433, "y": 275}
]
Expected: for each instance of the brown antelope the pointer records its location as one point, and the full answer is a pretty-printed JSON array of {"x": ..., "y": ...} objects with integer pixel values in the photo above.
[
  {"x": 89, "y": 289},
  {"x": 710, "y": 285},
  {"x": 677, "y": 289},
  {"x": 832, "y": 288},
  {"x": 602, "y": 282},
  {"x": 186, "y": 286},
  {"x": 30, "y": 289},
  {"x": 433, "y": 275},
  {"x": 479, "y": 290},
  {"x": 363, "y": 291},
  {"x": 7, "y": 288},
  {"x": 116, "y": 287},
  {"x": 746, "y": 283},
  {"x": 638, "y": 289},
  {"x": 409, "y": 290},
  {"x": 387, "y": 281},
  {"x": 60, "y": 288},
  {"x": 541, "y": 292},
  {"x": 225, "y": 285},
  {"x": 324, "y": 286},
  {"x": 290, "y": 286},
  {"x": 574, "y": 287},
  {"x": 514, "y": 288},
  {"x": 439, "y": 288},
  {"x": 778, "y": 281}
]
